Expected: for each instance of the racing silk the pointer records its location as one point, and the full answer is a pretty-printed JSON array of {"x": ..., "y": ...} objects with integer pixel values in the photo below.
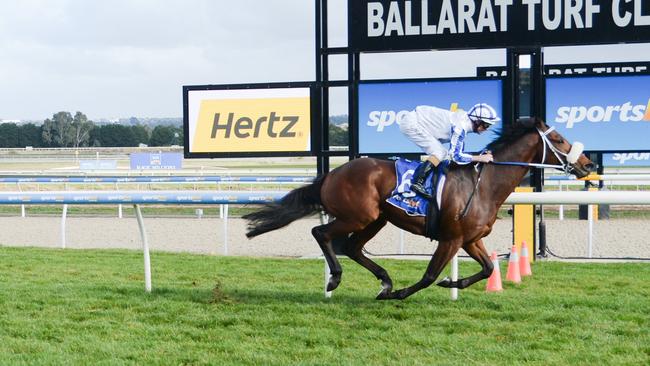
[
  {"x": 446, "y": 126},
  {"x": 456, "y": 152}
]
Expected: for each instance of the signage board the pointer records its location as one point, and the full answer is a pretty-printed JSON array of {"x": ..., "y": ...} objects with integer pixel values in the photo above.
[
  {"x": 631, "y": 159},
  {"x": 247, "y": 121},
  {"x": 385, "y": 25},
  {"x": 606, "y": 113},
  {"x": 97, "y": 164},
  {"x": 382, "y": 104},
  {"x": 155, "y": 161},
  {"x": 601, "y": 68}
]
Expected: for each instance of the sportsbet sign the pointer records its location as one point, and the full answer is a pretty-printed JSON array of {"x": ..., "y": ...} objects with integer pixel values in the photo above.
[
  {"x": 248, "y": 121},
  {"x": 382, "y": 104},
  {"x": 607, "y": 113}
]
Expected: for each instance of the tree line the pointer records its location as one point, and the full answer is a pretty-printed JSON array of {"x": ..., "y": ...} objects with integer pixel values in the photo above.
[{"x": 66, "y": 130}]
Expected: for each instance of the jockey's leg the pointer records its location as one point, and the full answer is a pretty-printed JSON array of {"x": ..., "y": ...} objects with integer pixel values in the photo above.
[
  {"x": 420, "y": 176},
  {"x": 477, "y": 251}
]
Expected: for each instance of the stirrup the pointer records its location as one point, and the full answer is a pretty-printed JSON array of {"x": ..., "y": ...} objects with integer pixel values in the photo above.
[{"x": 421, "y": 190}]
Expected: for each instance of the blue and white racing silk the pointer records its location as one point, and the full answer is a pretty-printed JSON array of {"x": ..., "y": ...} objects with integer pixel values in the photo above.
[
  {"x": 457, "y": 141},
  {"x": 402, "y": 197},
  {"x": 431, "y": 127}
]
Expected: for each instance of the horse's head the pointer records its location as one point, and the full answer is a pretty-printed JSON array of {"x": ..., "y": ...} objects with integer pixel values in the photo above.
[{"x": 557, "y": 150}]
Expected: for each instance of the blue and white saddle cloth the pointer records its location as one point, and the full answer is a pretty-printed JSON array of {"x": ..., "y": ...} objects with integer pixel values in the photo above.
[{"x": 402, "y": 197}]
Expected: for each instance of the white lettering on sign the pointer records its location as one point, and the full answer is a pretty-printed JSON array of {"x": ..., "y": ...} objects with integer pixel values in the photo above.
[
  {"x": 626, "y": 112},
  {"x": 402, "y": 18},
  {"x": 623, "y": 157},
  {"x": 383, "y": 119},
  {"x": 468, "y": 19}
]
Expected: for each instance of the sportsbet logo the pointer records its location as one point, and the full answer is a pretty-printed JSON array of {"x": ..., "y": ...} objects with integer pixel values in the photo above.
[
  {"x": 626, "y": 112},
  {"x": 383, "y": 119},
  {"x": 253, "y": 125}
]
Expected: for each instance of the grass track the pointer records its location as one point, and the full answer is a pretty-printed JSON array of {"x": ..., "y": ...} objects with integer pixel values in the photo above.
[{"x": 89, "y": 307}]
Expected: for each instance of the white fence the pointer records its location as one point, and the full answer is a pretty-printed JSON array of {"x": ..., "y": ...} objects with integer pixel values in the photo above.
[{"x": 136, "y": 198}]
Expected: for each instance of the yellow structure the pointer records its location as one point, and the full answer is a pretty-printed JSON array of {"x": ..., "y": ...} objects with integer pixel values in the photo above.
[{"x": 524, "y": 224}]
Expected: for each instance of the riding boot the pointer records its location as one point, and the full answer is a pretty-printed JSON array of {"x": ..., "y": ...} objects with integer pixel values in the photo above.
[{"x": 419, "y": 177}]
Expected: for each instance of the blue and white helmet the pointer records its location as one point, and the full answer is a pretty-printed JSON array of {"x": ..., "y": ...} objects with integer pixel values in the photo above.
[{"x": 483, "y": 112}]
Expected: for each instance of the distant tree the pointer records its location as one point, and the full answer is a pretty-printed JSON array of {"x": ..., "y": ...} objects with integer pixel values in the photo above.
[
  {"x": 9, "y": 135},
  {"x": 338, "y": 136},
  {"x": 178, "y": 136},
  {"x": 141, "y": 134},
  {"x": 57, "y": 132},
  {"x": 113, "y": 135},
  {"x": 165, "y": 136},
  {"x": 30, "y": 135},
  {"x": 81, "y": 128}
]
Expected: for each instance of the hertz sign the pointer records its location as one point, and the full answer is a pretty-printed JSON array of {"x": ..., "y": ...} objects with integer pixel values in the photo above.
[
  {"x": 382, "y": 25},
  {"x": 247, "y": 122}
]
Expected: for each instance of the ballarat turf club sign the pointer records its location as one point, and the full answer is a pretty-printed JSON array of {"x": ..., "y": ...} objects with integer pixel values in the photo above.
[{"x": 382, "y": 25}]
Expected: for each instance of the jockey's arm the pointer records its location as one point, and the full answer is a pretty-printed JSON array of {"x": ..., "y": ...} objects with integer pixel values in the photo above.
[
  {"x": 456, "y": 151},
  {"x": 457, "y": 142}
]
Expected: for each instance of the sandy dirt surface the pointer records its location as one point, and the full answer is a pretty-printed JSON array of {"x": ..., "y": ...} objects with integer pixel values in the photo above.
[{"x": 611, "y": 238}]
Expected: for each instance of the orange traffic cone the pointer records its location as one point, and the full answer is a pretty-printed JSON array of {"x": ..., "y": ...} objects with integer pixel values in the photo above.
[
  {"x": 524, "y": 261},
  {"x": 513, "y": 266},
  {"x": 494, "y": 281}
]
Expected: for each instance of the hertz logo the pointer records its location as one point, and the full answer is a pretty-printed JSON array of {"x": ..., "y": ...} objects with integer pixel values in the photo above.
[
  {"x": 263, "y": 124},
  {"x": 244, "y": 127}
]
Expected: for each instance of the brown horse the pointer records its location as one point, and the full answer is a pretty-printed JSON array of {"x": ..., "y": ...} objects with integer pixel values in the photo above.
[{"x": 355, "y": 195}]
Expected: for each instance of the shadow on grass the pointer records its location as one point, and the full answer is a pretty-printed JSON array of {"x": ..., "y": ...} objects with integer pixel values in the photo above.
[{"x": 257, "y": 296}]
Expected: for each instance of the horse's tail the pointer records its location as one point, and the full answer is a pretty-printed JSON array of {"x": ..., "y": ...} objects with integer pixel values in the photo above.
[{"x": 297, "y": 204}]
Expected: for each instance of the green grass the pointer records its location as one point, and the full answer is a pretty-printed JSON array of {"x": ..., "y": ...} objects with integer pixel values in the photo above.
[{"x": 89, "y": 307}]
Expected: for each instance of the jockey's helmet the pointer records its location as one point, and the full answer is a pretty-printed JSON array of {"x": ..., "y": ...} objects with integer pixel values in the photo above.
[{"x": 483, "y": 112}]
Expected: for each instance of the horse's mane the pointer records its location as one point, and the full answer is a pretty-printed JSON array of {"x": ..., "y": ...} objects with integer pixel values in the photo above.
[{"x": 506, "y": 137}]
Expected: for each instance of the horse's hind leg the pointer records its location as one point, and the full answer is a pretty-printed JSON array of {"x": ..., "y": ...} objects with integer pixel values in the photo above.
[
  {"x": 477, "y": 251},
  {"x": 354, "y": 250},
  {"x": 442, "y": 256},
  {"x": 324, "y": 235}
]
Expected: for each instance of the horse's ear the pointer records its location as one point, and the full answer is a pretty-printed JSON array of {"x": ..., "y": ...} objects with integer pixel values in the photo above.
[
  {"x": 527, "y": 122},
  {"x": 539, "y": 122},
  {"x": 530, "y": 122}
]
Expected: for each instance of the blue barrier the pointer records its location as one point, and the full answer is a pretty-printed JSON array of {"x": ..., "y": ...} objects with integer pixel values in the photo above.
[
  {"x": 152, "y": 179},
  {"x": 140, "y": 197}
]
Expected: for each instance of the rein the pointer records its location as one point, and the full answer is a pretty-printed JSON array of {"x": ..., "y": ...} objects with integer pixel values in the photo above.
[
  {"x": 471, "y": 196},
  {"x": 532, "y": 165}
]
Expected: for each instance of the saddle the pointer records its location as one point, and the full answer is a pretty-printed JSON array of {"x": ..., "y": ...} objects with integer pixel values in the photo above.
[{"x": 415, "y": 205}]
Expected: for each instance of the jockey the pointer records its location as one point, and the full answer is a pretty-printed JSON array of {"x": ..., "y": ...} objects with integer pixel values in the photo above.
[{"x": 430, "y": 127}]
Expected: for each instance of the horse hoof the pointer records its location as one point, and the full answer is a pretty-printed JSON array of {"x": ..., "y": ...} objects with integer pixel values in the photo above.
[
  {"x": 333, "y": 283},
  {"x": 445, "y": 282},
  {"x": 384, "y": 295}
]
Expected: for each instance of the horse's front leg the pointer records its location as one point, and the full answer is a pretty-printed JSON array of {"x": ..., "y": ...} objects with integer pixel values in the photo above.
[
  {"x": 477, "y": 251},
  {"x": 442, "y": 256}
]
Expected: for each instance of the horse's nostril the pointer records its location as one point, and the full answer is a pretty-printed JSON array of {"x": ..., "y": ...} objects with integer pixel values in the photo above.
[{"x": 590, "y": 167}]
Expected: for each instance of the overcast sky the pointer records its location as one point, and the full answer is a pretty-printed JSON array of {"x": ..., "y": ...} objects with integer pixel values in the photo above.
[{"x": 124, "y": 58}]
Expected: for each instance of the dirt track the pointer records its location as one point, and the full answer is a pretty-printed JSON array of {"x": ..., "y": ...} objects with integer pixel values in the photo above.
[{"x": 612, "y": 238}]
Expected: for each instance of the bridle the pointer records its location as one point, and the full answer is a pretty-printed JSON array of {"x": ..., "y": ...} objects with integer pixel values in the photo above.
[
  {"x": 566, "y": 162},
  {"x": 566, "y": 159}
]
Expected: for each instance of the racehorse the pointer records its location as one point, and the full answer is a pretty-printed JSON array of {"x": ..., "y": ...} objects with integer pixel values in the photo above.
[{"x": 355, "y": 195}]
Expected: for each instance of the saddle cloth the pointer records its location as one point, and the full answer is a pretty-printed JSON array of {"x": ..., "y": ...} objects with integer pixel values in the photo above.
[{"x": 402, "y": 197}]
